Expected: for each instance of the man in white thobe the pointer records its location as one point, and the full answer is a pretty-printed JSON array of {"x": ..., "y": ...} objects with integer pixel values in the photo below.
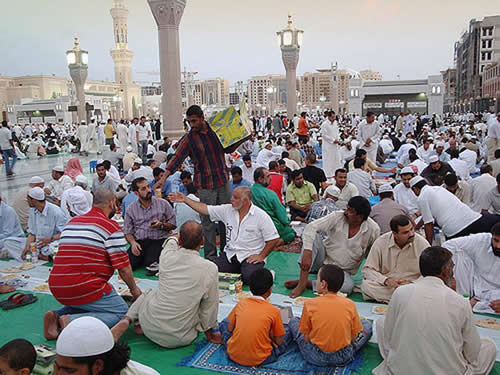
[
  {"x": 369, "y": 134},
  {"x": 132, "y": 135},
  {"x": 429, "y": 328},
  {"x": 93, "y": 141},
  {"x": 82, "y": 134},
  {"x": 331, "y": 148},
  {"x": 480, "y": 186},
  {"x": 266, "y": 155},
  {"x": 122, "y": 134}
]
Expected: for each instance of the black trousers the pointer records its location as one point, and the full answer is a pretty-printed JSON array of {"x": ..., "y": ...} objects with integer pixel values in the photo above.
[
  {"x": 151, "y": 250},
  {"x": 481, "y": 225},
  {"x": 233, "y": 266},
  {"x": 294, "y": 213}
]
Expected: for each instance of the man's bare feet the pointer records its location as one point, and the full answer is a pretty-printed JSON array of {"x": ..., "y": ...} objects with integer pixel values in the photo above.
[
  {"x": 299, "y": 287},
  {"x": 6, "y": 289},
  {"x": 120, "y": 328},
  {"x": 64, "y": 321},
  {"x": 51, "y": 325}
]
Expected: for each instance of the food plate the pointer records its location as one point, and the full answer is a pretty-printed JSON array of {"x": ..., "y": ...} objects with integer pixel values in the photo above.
[
  {"x": 42, "y": 288},
  {"x": 379, "y": 310},
  {"x": 299, "y": 301},
  {"x": 488, "y": 323}
]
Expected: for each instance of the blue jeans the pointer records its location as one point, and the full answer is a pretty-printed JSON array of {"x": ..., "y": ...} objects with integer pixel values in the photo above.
[
  {"x": 110, "y": 309},
  {"x": 276, "y": 352},
  {"x": 6, "y": 155},
  {"x": 318, "y": 357}
]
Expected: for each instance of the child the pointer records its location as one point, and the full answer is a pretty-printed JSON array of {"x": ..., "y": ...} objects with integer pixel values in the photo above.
[
  {"x": 253, "y": 332},
  {"x": 17, "y": 357},
  {"x": 330, "y": 332}
]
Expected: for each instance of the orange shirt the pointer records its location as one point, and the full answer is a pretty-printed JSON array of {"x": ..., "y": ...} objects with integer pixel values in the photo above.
[
  {"x": 253, "y": 319},
  {"x": 302, "y": 127},
  {"x": 332, "y": 322}
]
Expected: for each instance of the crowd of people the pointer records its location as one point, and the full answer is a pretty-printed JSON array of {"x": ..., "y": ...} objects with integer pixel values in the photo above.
[{"x": 423, "y": 229}]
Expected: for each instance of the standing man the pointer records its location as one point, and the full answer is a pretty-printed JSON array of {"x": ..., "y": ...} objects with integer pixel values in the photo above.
[
  {"x": 143, "y": 134},
  {"x": 369, "y": 130},
  {"x": 331, "y": 148},
  {"x": 211, "y": 179},
  {"x": 493, "y": 140},
  {"x": 109, "y": 130},
  {"x": 7, "y": 147},
  {"x": 122, "y": 133},
  {"x": 303, "y": 128},
  {"x": 132, "y": 135},
  {"x": 83, "y": 134}
]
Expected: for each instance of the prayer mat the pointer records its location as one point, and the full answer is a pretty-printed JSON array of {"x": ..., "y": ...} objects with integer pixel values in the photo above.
[
  {"x": 293, "y": 247},
  {"x": 213, "y": 357}
]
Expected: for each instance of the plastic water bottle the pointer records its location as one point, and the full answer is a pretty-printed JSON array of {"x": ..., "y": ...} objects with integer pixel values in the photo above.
[
  {"x": 232, "y": 288},
  {"x": 28, "y": 257},
  {"x": 34, "y": 253}
]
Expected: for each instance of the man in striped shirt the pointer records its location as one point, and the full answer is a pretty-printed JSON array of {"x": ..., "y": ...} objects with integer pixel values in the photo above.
[
  {"x": 211, "y": 178},
  {"x": 91, "y": 248}
]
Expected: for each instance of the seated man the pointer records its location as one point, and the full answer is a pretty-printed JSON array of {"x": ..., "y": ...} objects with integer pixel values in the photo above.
[
  {"x": 237, "y": 178},
  {"x": 267, "y": 200},
  {"x": 459, "y": 188},
  {"x": 403, "y": 193},
  {"x": 369, "y": 165},
  {"x": 300, "y": 196},
  {"x": 362, "y": 180},
  {"x": 250, "y": 233},
  {"x": 113, "y": 156},
  {"x": 59, "y": 183},
  {"x": 491, "y": 201},
  {"x": 183, "y": 212},
  {"x": 103, "y": 180},
  {"x": 277, "y": 180},
  {"x": 173, "y": 314},
  {"x": 87, "y": 346},
  {"x": 313, "y": 174},
  {"x": 424, "y": 318},
  {"x": 393, "y": 260},
  {"x": 350, "y": 235},
  {"x": 139, "y": 170},
  {"x": 347, "y": 189},
  {"x": 435, "y": 172},
  {"x": 20, "y": 203},
  {"x": 477, "y": 261},
  {"x": 45, "y": 224},
  {"x": 12, "y": 240},
  {"x": 78, "y": 191},
  {"x": 148, "y": 222},
  {"x": 386, "y": 209},
  {"x": 92, "y": 247},
  {"x": 247, "y": 168}
]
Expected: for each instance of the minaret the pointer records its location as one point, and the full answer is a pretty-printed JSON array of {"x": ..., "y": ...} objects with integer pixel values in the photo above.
[{"x": 121, "y": 55}]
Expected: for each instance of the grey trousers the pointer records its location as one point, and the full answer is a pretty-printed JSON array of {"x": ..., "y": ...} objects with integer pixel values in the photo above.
[
  {"x": 143, "y": 149},
  {"x": 318, "y": 259},
  {"x": 213, "y": 197}
]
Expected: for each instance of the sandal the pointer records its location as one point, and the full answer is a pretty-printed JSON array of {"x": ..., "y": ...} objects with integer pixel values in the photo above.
[{"x": 18, "y": 300}]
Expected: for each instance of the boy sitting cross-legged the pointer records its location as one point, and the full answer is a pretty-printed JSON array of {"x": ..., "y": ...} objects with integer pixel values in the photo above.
[
  {"x": 330, "y": 331},
  {"x": 253, "y": 333}
]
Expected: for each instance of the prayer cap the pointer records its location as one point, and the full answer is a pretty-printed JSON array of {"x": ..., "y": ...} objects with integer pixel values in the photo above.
[
  {"x": 385, "y": 188},
  {"x": 58, "y": 168},
  {"x": 85, "y": 337},
  {"x": 129, "y": 148},
  {"x": 433, "y": 159},
  {"x": 37, "y": 193},
  {"x": 439, "y": 144},
  {"x": 406, "y": 170},
  {"x": 78, "y": 202},
  {"x": 82, "y": 179},
  {"x": 415, "y": 180},
  {"x": 333, "y": 191},
  {"x": 138, "y": 161},
  {"x": 36, "y": 180}
]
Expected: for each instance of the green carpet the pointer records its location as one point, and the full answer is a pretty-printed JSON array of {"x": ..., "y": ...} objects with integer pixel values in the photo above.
[{"x": 26, "y": 322}]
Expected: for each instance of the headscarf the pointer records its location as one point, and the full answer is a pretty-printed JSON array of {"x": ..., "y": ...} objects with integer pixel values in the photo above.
[
  {"x": 73, "y": 168},
  {"x": 77, "y": 202}
]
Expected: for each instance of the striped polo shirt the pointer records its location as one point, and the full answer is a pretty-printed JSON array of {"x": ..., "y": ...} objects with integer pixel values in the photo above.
[{"x": 91, "y": 247}]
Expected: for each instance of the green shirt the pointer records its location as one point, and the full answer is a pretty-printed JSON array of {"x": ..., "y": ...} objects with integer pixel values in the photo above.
[{"x": 301, "y": 196}]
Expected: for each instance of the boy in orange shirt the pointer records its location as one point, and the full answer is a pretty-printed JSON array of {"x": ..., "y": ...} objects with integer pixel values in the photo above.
[
  {"x": 253, "y": 333},
  {"x": 330, "y": 331}
]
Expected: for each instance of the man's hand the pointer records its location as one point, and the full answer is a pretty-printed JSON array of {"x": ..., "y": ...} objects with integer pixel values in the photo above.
[
  {"x": 391, "y": 282},
  {"x": 25, "y": 251},
  {"x": 253, "y": 259},
  {"x": 42, "y": 242},
  {"x": 306, "y": 262},
  {"x": 368, "y": 142},
  {"x": 177, "y": 197},
  {"x": 136, "y": 248},
  {"x": 495, "y": 305},
  {"x": 47, "y": 191},
  {"x": 393, "y": 170},
  {"x": 213, "y": 337},
  {"x": 136, "y": 292},
  {"x": 473, "y": 301},
  {"x": 156, "y": 224}
]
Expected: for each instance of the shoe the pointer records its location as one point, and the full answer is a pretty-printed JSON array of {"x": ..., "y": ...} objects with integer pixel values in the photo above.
[{"x": 153, "y": 267}]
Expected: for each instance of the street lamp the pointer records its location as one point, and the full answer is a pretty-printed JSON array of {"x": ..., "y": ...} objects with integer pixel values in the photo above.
[
  {"x": 322, "y": 99},
  {"x": 271, "y": 93},
  {"x": 78, "y": 61}
]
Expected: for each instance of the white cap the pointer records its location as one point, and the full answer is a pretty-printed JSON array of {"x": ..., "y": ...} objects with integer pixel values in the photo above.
[
  {"x": 36, "y": 180},
  {"x": 100, "y": 161},
  {"x": 406, "y": 170},
  {"x": 129, "y": 148},
  {"x": 58, "y": 168},
  {"x": 85, "y": 337},
  {"x": 415, "y": 180},
  {"x": 138, "y": 161},
  {"x": 433, "y": 159},
  {"x": 385, "y": 188},
  {"x": 77, "y": 202},
  {"x": 439, "y": 144},
  {"x": 83, "y": 122},
  {"x": 36, "y": 193},
  {"x": 333, "y": 190},
  {"x": 82, "y": 179}
]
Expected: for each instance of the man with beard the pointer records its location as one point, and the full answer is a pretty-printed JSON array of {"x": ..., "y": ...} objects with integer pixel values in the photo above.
[
  {"x": 477, "y": 261},
  {"x": 429, "y": 328},
  {"x": 148, "y": 223},
  {"x": 393, "y": 260},
  {"x": 91, "y": 248}
]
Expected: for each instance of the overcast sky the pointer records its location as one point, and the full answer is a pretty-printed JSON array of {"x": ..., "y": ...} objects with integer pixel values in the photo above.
[{"x": 236, "y": 39}]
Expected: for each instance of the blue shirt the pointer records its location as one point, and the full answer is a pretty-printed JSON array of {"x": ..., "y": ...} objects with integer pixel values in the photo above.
[
  {"x": 167, "y": 187},
  {"x": 128, "y": 200},
  {"x": 318, "y": 150},
  {"x": 243, "y": 182},
  {"x": 9, "y": 223},
  {"x": 47, "y": 223}
]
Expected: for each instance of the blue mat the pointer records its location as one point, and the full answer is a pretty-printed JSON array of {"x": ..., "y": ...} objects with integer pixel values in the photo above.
[{"x": 213, "y": 357}]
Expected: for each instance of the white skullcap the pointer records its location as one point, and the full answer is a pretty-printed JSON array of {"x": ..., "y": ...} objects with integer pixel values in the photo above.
[
  {"x": 129, "y": 148},
  {"x": 83, "y": 123},
  {"x": 77, "y": 202},
  {"x": 58, "y": 168},
  {"x": 36, "y": 180},
  {"x": 433, "y": 159},
  {"x": 100, "y": 161},
  {"x": 415, "y": 180},
  {"x": 406, "y": 170},
  {"x": 85, "y": 337},
  {"x": 36, "y": 193},
  {"x": 439, "y": 144},
  {"x": 385, "y": 188},
  {"x": 138, "y": 161},
  {"x": 82, "y": 179},
  {"x": 333, "y": 190}
]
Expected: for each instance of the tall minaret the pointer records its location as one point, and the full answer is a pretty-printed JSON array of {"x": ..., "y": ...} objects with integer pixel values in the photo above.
[{"x": 121, "y": 55}]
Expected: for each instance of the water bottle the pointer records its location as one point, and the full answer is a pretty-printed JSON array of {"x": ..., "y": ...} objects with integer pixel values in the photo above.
[
  {"x": 232, "y": 288},
  {"x": 34, "y": 253}
]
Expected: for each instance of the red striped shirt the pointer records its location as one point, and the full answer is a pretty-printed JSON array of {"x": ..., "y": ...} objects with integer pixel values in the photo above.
[{"x": 91, "y": 247}]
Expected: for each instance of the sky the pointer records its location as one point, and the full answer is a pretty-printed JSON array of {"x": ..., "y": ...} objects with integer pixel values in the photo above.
[{"x": 236, "y": 39}]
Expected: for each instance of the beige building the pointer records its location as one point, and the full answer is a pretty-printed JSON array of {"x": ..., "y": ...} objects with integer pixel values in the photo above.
[
  {"x": 491, "y": 86},
  {"x": 370, "y": 75},
  {"x": 315, "y": 90},
  {"x": 267, "y": 94}
]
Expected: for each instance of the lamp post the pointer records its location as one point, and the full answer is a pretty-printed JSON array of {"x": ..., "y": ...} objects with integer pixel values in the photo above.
[
  {"x": 322, "y": 99},
  {"x": 271, "y": 91},
  {"x": 78, "y": 60},
  {"x": 290, "y": 41}
]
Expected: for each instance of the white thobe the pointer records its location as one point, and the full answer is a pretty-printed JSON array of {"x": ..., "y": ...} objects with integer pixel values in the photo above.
[
  {"x": 371, "y": 131},
  {"x": 82, "y": 135},
  {"x": 265, "y": 156},
  {"x": 132, "y": 137},
  {"x": 93, "y": 141},
  {"x": 406, "y": 197},
  {"x": 424, "y": 154},
  {"x": 58, "y": 187},
  {"x": 470, "y": 157},
  {"x": 429, "y": 329},
  {"x": 386, "y": 145},
  {"x": 480, "y": 186},
  {"x": 331, "y": 150},
  {"x": 122, "y": 133}
]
